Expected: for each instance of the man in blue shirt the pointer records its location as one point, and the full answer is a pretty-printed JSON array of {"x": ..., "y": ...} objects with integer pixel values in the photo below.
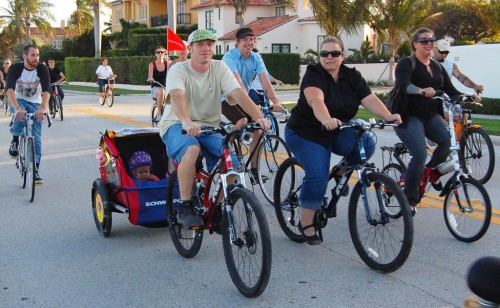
[{"x": 247, "y": 65}]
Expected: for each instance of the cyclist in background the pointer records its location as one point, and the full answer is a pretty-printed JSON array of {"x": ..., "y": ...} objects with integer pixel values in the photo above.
[
  {"x": 195, "y": 87},
  {"x": 182, "y": 56},
  {"x": 56, "y": 76},
  {"x": 157, "y": 71},
  {"x": 3, "y": 76},
  {"x": 28, "y": 89},
  {"x": 440, "y": 54},
  {"x": 104, "y": 71},
  {"x": 245, "y": 64},
  {"x": 258, "y": 95}
]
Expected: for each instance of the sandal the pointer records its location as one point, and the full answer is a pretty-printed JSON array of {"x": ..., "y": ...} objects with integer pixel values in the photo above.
[{"x": 311, "y": 240}]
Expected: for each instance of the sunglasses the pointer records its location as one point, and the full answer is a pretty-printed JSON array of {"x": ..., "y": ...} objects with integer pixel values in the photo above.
[
  {"x": 443, "y": 52},
  {"x": 425, "y": 41},
  {"x": 334, "y": 54},
  {"x": 158, "y": 52}
]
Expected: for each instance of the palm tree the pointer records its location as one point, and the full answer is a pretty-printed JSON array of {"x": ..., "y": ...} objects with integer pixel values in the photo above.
[
  {"x": 395, "y": 20},
  {"x": 81, "y": 19},
  {"x": 337, "y": 16},
  {"x": 21, "y": 14},
  {"x": 95, "y": 5}
]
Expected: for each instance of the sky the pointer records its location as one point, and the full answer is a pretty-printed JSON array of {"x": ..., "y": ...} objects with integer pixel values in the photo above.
[{"x": 62, "y": 9}]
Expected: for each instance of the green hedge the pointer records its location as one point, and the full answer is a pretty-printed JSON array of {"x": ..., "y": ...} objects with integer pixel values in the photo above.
[{"x": 134, "y": 69}]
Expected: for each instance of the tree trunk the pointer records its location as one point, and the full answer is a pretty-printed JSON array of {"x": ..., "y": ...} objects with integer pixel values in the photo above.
[
  {"x": 28, "y": 32},
  {"x": 392, "y": 65},
  {"x": 97, "y": 29}
]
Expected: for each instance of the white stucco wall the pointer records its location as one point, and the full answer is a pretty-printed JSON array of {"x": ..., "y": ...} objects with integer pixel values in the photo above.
[{"x": 480, "y": 63}]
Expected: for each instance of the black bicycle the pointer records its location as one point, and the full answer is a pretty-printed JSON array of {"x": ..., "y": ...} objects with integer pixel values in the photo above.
[
  {"x": 383, "y": 242},
  {"x": 55, "y": 102}
]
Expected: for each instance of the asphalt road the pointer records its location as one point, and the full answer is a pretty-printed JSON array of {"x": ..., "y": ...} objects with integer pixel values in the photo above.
[{"x": 52, "y": 256}]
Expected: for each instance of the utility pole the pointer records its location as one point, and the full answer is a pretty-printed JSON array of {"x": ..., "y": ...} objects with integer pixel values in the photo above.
[{"x": 172, "y": 14}]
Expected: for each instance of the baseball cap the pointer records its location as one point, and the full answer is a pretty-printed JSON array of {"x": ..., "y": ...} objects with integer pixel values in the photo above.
[
  {"x": 201, "y": 35},
  {"x": 443, "y": 45},
  {"x": 241, "y": 33}
]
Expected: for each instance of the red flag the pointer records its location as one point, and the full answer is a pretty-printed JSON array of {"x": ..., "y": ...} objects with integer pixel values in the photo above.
[{"x": 174, "y": 42}]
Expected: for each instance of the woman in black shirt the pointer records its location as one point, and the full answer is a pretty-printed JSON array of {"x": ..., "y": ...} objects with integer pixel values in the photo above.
[
  {"x": 330, "y": 93},
  {"x": 424, "y": 115}
]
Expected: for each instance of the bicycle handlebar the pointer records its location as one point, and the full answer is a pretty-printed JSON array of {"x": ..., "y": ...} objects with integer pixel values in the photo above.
[
  {"x": 154, "y": 81},
  {"x": 33, "y": 116},
  {"x": 461, "y": 99}
]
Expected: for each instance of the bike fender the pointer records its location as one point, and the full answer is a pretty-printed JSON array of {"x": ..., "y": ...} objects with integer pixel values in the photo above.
[{"x": 475, "y": 126}]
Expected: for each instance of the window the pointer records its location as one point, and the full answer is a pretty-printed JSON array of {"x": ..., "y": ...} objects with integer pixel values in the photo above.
[
  {"x": 57, "y": 44},
  {"x": 181, "y": 6},
  {"x": 143, "y": 12},
  {"x": 280, "y": 48},
  {"x": 119, "y": 15},
  {"x": 209, "y": 20},
  {"x": 280, "y": 11}
]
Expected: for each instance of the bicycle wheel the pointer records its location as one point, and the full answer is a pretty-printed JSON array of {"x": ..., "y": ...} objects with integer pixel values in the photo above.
[
  {"x": 383, "y": 243},
  {"x": 101, "y": 208},
  {"x": 59, "y": 107},
  {"x": 477, "y": 154},
  {"x": 249, "y": 256},
  {"x": 286, "y": 198},
  {"x": 187, "y": 242},
  {"x": 395, "y": 172},
  {"x": 467, "y": 210},
  {"x": 21, "y": 161},
  {"x": 110, "y": 97},
  {"x": 269, "y": 162},
  {"x": 275, "y": 129},
  {"x": 154, "y": 121},
  {"x": 52, "y": 105},
  {"x": 30, "y": 168}
]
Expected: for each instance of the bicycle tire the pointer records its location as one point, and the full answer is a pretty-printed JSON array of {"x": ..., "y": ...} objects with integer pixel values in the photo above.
[
  {"x": 471, "y": 226},
  {"x": 268, "y": 163},
  {"x": 249, "y": 258},
  {"x": 110, "y": 97},
  {"x": 383, "y": 246},
  {"x": 102, "y": 99},
  {"x": 59, "y": 107},
  {"x": 286, "y": 198},
  {"x": 154, "y": 122},
  {"x": 186, "y": 242},
  {"x": 21, "y": 161},
  {"x": 395, "y": 172},
  {"x": 274, "y": 129},
  {"x": 52, "y": 105},
  {"x": 30, "y": 168},
  {"x": 101, "y": 208},
  {"x": 477, "y": 154}
]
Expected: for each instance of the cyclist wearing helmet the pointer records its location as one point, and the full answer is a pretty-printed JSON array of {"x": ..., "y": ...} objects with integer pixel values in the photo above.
[{"x": 140, "y": 165}]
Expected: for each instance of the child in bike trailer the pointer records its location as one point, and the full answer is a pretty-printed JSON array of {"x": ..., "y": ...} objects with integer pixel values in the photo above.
[{"x": 139, "y": 165}]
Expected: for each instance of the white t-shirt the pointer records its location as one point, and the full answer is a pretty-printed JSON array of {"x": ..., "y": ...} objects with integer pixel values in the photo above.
[
  {"x": 201, "y": 90},
  {"x": 105, "y": 71}
]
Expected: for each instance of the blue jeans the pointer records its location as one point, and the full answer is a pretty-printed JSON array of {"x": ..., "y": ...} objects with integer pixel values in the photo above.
[
  {"x": 413, "y": 136},
  {"x": 17, "y": 127},
  {"x": 315, "y": 159},
  {"x": 211, "y": 146},
  {"x": 101, "y": 82},
  {"x": 59, "y": 90}
]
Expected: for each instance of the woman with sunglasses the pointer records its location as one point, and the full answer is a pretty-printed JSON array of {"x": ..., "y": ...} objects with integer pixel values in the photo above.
[
  {"x": 422, "y": 115},
  {"x": 158, "y": 72},
  {"x": 330, "y": 94}
]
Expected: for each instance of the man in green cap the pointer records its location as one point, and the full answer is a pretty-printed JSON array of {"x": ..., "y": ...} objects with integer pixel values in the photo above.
[{"x": 194, "y": 89}]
